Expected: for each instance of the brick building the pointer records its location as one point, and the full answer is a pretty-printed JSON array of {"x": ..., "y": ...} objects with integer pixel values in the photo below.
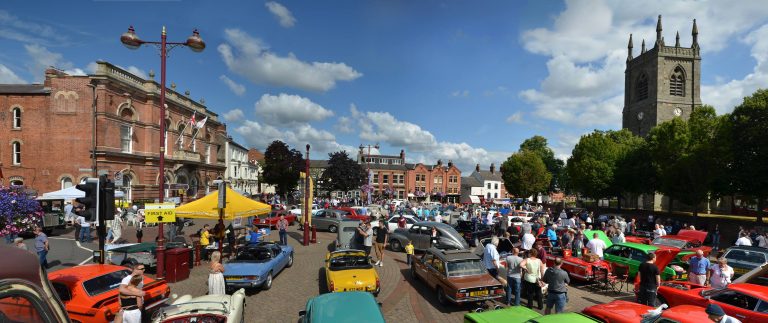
[
  {"x": 388, "y": 172},
  {"x": 46, "y": 131},
  {"x": 438, "y": 182}
]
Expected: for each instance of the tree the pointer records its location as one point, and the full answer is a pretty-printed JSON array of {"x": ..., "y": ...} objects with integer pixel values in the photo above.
[
  {"x": 343, "y": 173},
  {"x": 525, "y": 174},
  {"x": 282, "y": 167},
  {"x": 555, "y": 166},
  {"x": 19, "y": 212},
  {"x": 747, "y": 134}
]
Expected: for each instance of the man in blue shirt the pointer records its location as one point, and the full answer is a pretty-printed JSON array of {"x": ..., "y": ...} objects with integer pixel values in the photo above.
[
  {"x": 698, "y": 267},
  {"x": 552, "y": 236}
]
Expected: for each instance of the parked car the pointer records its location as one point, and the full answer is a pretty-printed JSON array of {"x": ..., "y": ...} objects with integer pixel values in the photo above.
[
  {"x": 351, "y": 213},
  {"x": 631, "y": 312},
  {"x": 25, "y": 283},
  {"x": 741, "y": 299},
  {"x": 271, "y": 219},
  {"x": 142, "y": 253},
  {"x": 745, "y": 258},
  {"x": 256, "y": 265},
  {"x": 326, "y": 220},
  {"x": 207, "y": 308},
  {"x": 420, "y": 233},
  {"x": 90, "y": 292},
  {"x": 457, "y": 276},
  {"x": 346, "y": 307},
  {"x": 633, "y": 254},
  {"x": 520, "y": 314},
  {"x": 347, "y": 236},
  {"x": 472, "y": 232},
  {"x": 688, "y": 241},
  {"x": 410, "y": 220},
  {"x": 350, "y": 270}
]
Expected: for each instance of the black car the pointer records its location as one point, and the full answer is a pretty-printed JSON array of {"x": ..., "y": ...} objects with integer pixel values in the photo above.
[
  {"x": 745, "y": 258},
  {"x": 473, "y": 232}
]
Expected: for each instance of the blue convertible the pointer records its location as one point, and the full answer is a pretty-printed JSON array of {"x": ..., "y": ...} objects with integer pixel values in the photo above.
[{"x": 256, "y": 264}]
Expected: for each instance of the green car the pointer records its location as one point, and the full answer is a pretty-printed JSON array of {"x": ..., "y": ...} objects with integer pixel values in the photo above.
[
  {"x": 344, "y": 307},
  {"x": 523, "y": 314},
  {"x": 589, "y": 234},
  {"x": 633, "y": 254}
]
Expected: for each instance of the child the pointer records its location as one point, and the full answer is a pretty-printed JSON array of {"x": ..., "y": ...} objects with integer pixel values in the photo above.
[{"x": 409, "y": 252}]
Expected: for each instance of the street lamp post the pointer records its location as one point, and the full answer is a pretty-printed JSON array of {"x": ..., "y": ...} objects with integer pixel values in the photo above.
[
  {"x": 196, "y": 44},
  {"x": 307, "y": 207}
]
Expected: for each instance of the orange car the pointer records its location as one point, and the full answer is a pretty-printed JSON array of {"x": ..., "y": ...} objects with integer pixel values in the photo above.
[{"x": 90, "y": 292}]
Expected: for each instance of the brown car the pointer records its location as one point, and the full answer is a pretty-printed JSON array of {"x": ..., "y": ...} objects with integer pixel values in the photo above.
[{"x": 458, "y": 276}]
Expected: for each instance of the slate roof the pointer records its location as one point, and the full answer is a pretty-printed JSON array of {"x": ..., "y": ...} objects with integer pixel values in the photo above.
[
  {"x": 487, "y": 175},
  {"x": 470, "y": 182},
  {"x": 23, "y": 89}
]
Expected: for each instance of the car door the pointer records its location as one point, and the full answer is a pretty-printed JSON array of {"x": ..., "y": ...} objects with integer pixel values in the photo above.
[
  {"x": 426, "y": 271},
  {"x": 392, "y": 223},
  {"x": 279, "y": 258},
  {"x": 320, "y": 220},
  {"x": 414, "y": 236},
  {"x": 618, "y": 255},
  {"x": 739, "y": 305}
]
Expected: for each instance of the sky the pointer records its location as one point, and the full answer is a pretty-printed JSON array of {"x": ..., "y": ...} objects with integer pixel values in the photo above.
[{"x": 465, "y": 81}]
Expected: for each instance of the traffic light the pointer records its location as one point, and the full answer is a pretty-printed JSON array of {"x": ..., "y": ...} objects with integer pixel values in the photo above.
[
  {"x": 91, "y": 199},
  {"x": 107, "y": 198}
]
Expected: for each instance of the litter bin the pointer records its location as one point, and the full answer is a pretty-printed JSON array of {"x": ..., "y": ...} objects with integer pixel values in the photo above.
[{"x": 177, "y": 264}]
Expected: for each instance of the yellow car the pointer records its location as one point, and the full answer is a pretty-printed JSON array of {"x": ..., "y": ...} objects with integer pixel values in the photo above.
[{"x": 350, "y": 270}]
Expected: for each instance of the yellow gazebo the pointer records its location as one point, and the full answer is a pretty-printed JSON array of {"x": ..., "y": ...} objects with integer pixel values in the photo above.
[{"x": 236, "y": 206}]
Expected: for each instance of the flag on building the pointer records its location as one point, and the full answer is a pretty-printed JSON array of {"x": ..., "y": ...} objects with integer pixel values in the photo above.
[
  {"x": 192, "y": 121},
  {"x": 201, "y": 123}
]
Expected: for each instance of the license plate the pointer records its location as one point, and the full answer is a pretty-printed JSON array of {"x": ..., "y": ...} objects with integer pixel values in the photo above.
[
  {"x": 233, "y": 278},
  {"x": 479, "y": 293},
  {"x": 740, "y": 271}
]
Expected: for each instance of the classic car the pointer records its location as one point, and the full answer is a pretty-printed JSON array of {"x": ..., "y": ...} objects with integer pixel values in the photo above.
[
  {"x": 256, "y": 264},
  {"x": 457, "y": 276},
  {"x": 326, "y": 220},
  {"x": 409, "y": 221},
  {"x": 745, "y": 258},
  {"x": 581, "y": 269},
  {"x": 207, "y": 308},
  {"x": 142, "y": 253},
  {"x": 345, "y": 307},
  {"x": 90, "y": 292},
  {"x": 631, "y": 312},
  {"x": 688, "y": 241},
  {"x": 351, "y": 213},
  {"x": 350, "y": 270},
  {"x": 24, "y": 284},
  {"x": 473, "y": 231},
  {"x": 420, "y": 234},
  {"x": 521, "y": 314},
  {"x": 589, "y": 234},
  {"x": 347, "y": 236},
  {"x": 633, "y": 254},
  {"x": 271, "y": 219}
]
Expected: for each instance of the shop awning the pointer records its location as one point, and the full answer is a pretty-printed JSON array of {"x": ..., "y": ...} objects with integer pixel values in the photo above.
[{"x": 236, "y": 206}]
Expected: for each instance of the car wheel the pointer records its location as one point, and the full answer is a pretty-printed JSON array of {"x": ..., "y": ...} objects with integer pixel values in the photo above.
[
  {"x": 395, "y": 245},
  {"x": 332, "y": 229},
  {"x": 290, "y": 260},
  {"x": 441, "y": 297},
  {"x": 267, "y": 283}
]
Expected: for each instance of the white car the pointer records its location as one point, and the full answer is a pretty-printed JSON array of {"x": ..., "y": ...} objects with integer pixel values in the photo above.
[
  {"x": 297, "y": 209},
  {"x": 409, "y": 221},
  {"x": 208, "y": 308}
]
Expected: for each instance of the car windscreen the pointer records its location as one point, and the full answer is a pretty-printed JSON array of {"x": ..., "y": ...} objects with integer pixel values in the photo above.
[
  {"x": 680, "y": 244},
  {"x": 349, "y": 262},
  {"x": 464, "y": 226},
  {"x": 105, "y": 283},
  {"x": 349, "y": 229},
  {"x": 748, "y": 256},
  {"x": 253, "y": 255},
  {"x": 465, "y": 267}
]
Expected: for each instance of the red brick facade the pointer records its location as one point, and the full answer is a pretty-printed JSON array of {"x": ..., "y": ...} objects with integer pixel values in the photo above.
[
  {"x": 434, "y": 180},
  {"x": 56, "y": 134}
]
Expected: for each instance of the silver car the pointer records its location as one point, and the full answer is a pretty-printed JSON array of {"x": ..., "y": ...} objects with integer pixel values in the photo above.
[
  {"x": 420, "y": 232},
  {"x": 328, "y": 220}
]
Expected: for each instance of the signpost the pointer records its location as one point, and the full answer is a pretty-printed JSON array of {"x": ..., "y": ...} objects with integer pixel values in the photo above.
[{"x": 160, "y": 212}]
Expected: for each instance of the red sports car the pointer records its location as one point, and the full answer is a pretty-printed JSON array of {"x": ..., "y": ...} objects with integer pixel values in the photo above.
[
  {"x": 744, "y": 301},
  {"x": 579, "y": 268},
  {"x": 352, "y": 214},
  {"x": 90, "y": 292},
  {"x": 271, "y": 219},
  {"x": 629, "y": 312}
]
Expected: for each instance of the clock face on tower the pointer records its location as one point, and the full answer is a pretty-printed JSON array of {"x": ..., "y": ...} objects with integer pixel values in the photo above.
[
  {"x": 678, "y": 112},
  {"x": 640, "y": 115}
]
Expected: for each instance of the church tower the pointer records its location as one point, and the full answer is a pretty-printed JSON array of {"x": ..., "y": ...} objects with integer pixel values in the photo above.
[{"x": 661, "y": 83}]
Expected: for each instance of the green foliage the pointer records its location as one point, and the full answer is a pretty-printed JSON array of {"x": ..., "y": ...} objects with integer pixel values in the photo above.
[
  {"x": 282, "y": 167},
  {"x": 555, "y": 166},
  {"x": 595, "y": 159},
  {"x": 343, "y": 173},
  {"x": 524, "y": 174}
]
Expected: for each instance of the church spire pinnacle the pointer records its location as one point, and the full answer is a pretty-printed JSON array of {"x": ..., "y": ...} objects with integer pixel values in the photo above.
[
  {"x": 677, "y": 39},
  {"x": 642, "y": 48},
  {"x": 629, "y": 49},
  {"x": 659, "y": 39},
  {"x": 695, "y": 33}
]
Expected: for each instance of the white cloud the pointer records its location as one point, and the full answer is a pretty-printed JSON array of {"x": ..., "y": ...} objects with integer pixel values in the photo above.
[
  {"x": 286, "y": 108},
  {"x": 9, "y": 77},
  {"x": 516, "y": 117},
  {"x": 322, "y": 142},
  {"x": 462, "y": 94},
  {"x": 13, "y": 28},
  {"x": 250, "y": 58},
  {"x": 344, "y": 125},
  {"x": 235, "y": 87},
  {"x": 282, "y": 13},
  {"x": 42, "y": 58},
  {"x": 235, "y": 115},
  {"x": 136, "y": 71}
]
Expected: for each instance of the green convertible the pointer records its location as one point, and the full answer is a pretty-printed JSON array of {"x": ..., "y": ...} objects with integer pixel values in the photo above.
[
  {"x": 633, "y": 254},
  {"x": 515, "y": 314}
]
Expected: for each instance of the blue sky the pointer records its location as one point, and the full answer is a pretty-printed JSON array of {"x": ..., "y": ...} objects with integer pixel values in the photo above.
[{"x": 466, "y": 81}]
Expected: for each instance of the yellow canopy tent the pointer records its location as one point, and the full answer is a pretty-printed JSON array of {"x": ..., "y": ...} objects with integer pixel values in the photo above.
[{"x": 236, "y": 206}]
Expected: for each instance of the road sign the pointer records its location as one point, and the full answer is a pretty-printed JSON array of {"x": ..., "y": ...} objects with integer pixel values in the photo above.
[
  {"x": 159, "y": 212},
  {"x": 119, "y": 178}
]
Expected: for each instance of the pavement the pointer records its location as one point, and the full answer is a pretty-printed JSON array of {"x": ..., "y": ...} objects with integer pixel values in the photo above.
[{"x": 402, "y": 299}]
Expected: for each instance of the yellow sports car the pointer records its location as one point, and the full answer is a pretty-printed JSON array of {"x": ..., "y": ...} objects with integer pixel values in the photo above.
[{"x": 350, "y": 270}]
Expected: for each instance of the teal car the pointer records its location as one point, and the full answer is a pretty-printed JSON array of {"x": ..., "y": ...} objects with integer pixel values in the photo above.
[
  {"x": 632, "y": 254},
  {"x": 344, "y": 307},
  {"x": 522, "y": 314}
]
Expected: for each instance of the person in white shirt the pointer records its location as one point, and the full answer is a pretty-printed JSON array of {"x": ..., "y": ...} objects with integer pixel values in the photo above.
[
  {"x": 491, "y": 257},
  {"x": 596, "y": 246},
  {"x": 438, "y": 217},
  {"x": 618, "y": 237},
  {"x": 720, "y": 274},
  {"x": 85, "y": 229},
  {"x": 528, "y": 241},
  {"x": 762, "y": 240},
  {"x": 744, "y": 240},
  {"x": 659, "y": 231}
]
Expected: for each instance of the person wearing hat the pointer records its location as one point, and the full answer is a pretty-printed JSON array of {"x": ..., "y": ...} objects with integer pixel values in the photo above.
[
  {"x": 19, "y": 243},
  {"x": 716, "y": 314}
]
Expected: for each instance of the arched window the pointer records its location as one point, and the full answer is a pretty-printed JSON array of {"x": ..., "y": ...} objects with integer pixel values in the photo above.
[
  {"x": 126, "y": 136},
  {"x": 126, "y": 114},
  {"x": 127, "y": 181},
  {"x": 17, "y": 182},
  {"x": 16, "y": 118},
  {"x": 641, "y": 88},
  {"x": 192, "y": 191},
  {"x": 677, "y": 82},
  {"x": 16, "y": 149},
  {"x": 66, "y": 182}
]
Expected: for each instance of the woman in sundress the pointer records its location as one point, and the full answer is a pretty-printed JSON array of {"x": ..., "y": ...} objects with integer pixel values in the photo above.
[{"x": 216, "y": 285}]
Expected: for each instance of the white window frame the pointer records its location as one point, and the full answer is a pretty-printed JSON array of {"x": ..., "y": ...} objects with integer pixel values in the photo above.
[
  {"x": 16, "y": 118},
  {"x": 130, "y": 139},
  {"x": 63, "y": 180},
  {"x": 16, "y": 152}
]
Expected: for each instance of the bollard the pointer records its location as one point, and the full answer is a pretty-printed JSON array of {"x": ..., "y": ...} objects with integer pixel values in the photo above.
[
  {"x": 314, "y": 234},
  {"x": 197, "y": 253}
]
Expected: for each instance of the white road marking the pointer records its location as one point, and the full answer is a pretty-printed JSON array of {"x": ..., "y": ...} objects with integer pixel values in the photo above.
[
  {"x": 89, "y": 259},
  {"x": 60, "y": 238}
]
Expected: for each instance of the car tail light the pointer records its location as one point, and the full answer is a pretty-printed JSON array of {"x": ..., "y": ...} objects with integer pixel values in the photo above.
[
  {"x": 460, "y": 295},
  {"x": 109, "y": 315},
  {"x": 167, "y": 291},
  {"x": 498, "y": 291},
  {"x": 330, "y": 286},
  {"x": 378, "y": 283}
]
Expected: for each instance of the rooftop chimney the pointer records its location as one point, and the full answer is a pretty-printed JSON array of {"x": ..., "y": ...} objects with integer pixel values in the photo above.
[
  {"x": 450, "y": 163},
  {"x": 493, "y": 168},
  {"x": 477, "y": 167},
  {"x": 402, "y": 154}
]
